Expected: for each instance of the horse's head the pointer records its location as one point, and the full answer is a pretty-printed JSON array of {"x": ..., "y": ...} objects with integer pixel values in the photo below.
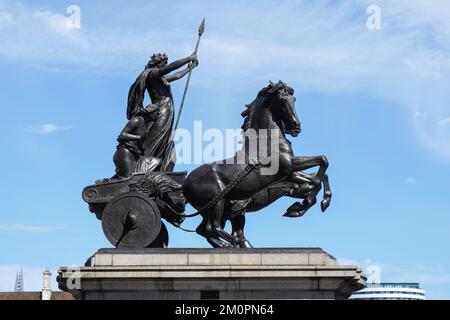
[
  {"x": 279, "y": 100},
  {"x": 283, "y": 107}
]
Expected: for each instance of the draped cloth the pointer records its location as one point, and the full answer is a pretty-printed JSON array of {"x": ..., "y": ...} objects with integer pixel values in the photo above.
[
  {"x": 136, "y": 94},
  {"x": 157, "y": 142}
]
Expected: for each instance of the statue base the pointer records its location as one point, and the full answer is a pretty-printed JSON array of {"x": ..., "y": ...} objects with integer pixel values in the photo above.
[{"x": 229, "y": 273}]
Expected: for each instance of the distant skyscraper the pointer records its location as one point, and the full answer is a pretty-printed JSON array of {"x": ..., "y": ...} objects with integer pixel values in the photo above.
[{"x": 19, "y": 281}]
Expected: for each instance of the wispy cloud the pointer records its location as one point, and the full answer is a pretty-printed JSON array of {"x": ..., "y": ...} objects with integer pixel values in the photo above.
[
  {"x": 321, "y": 46},
  {"x": 28, "y": 228},
  {"x": 435, "y": 279},
  {"x": 410, "y": 180},
  {"x": 5, "y": 20},
  {"x": 420, "y": 115},
  {"x": 47, "y": 128},
  {"x": 444, "y": 123}
]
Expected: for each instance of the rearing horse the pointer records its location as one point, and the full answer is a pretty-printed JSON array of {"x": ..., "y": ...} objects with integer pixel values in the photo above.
[{"x": 273, "y": 113}]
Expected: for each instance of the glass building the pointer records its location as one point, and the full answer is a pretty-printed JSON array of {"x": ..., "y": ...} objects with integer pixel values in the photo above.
[{"x": 390, "y": 291}]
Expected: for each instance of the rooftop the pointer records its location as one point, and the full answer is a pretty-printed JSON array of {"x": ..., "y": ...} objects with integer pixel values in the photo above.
[{"x": 412, "y": 285}]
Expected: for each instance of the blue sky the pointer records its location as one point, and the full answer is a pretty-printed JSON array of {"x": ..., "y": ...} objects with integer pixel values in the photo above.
[{"x": 374, "y": 101}]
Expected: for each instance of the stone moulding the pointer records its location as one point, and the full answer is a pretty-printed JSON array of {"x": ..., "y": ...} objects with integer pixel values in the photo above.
[{"x": 288, "y": 273}]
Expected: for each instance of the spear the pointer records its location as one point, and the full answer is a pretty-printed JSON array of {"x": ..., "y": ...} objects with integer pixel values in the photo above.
[{"x": 200, "y": 32}]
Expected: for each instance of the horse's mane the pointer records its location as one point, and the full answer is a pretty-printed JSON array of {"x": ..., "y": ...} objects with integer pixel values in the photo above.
[{"x": 247, "y": 114}]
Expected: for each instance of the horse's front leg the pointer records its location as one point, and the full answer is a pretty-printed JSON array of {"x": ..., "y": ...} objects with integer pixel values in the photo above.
[
  {"x": 304, "y": 163},
  {"x": 308, "y": 185},
  {"x": 302, "y": 185},
  {"x": 326, "y": 193}
]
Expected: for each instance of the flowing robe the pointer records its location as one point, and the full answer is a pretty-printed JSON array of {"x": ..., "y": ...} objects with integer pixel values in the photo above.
[{"x": 159, "y": 120}]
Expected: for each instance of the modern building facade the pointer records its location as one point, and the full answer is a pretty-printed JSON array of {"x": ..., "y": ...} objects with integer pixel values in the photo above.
[{"x": 390, "y": 291}]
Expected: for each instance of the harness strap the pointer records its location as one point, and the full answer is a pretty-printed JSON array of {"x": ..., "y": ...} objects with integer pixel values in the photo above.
[
  {"x": 187, "y": 230},
  {"x": 237, "y": 179}
]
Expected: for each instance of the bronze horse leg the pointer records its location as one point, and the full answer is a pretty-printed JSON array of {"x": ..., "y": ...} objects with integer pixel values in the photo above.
[
  {"x": 216, "y": 217},
  {"x": 326, "y": 193},
  {"x": 309, "y": 186},
  {"x": 304, "y": 163},
  {"x": 299, "y": 209},
  {"x": 205, "y": 230},
  {"x": 238, "y": 224}
]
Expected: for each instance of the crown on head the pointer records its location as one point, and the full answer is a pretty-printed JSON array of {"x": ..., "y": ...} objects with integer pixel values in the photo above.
[{"x": 159, "y": 56}]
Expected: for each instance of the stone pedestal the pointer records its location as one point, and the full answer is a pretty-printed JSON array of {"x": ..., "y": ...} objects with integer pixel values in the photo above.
[{"x": 285, "y": 273}]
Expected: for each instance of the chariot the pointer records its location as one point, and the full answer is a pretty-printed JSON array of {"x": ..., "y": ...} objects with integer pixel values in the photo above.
[{"x": 131, "y": 209}]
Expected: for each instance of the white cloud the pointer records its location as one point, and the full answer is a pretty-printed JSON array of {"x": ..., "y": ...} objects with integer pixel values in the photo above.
[
  {"x": 444, "y": 123},
  {"x": 47, "y": 128},
  {"x": 435, "y": 279},
  {"x": 410, "y": 180},
  {"x": 5, "y": 20},
  {"x": 27, "y": 228},
  {"x": 319, "y": 46},
  {"x": 420, "y": 115}
]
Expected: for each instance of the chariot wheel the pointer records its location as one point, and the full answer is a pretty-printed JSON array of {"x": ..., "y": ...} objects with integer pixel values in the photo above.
[{"x": 131, "y": 220}]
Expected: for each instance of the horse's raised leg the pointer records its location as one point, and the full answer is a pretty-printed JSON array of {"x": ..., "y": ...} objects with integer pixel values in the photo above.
[
  {"x": 238, "y": 223},
  {"x": 308, "y": 186},
  {"x": 326, "y": 193},
  {"x": 304, "y": 163},
  {"x": 299, "y": 209},
  {"x": 215, "y": 215},
  {"x": 304, "y": 181}
]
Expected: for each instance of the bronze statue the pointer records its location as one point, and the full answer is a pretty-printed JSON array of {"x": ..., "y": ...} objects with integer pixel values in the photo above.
[
  {"x": 157, "y": 144},
  {"x": 206, "y": 188},
  {"x": 129, "y": 149},
  {"x": 145, "y": 188}
]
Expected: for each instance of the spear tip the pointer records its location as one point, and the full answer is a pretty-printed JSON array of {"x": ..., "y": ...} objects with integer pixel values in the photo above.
[{"x": 202, "y": 27}]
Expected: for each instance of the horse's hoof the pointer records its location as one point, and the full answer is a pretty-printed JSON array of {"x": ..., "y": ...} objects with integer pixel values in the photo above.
[
  {"x": 218, "y": 243},
  {"x": 325, "y": 204},
  {"x": 245, "y": 244},
  {"x": 295, "y": 210},
  {"x": 294, "y": 214}
]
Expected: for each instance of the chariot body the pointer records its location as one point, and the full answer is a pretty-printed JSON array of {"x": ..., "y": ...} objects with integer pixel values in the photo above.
[{"x": 131, "y": 209}]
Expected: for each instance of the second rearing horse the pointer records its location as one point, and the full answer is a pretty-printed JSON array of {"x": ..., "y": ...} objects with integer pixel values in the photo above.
[{"x": 268, "y": 118}]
